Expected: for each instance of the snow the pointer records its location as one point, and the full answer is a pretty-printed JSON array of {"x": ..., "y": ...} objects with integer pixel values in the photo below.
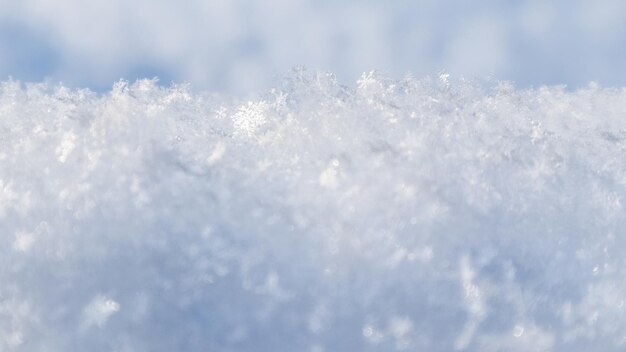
[{"x": 423, "y": 215}]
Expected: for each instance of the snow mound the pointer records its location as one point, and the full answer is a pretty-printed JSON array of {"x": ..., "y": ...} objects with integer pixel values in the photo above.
[{"x": 418, "y": 215}]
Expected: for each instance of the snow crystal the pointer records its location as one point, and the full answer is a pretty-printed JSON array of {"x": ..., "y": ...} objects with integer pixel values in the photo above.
[{"x": 431, "y": 214}]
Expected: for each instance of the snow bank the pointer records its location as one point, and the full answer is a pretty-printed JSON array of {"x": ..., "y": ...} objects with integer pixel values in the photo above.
[{"x": 418, "y": 215}]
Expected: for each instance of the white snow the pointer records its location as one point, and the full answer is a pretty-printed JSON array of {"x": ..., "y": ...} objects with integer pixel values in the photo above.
[{"x": 417, "y": 215}]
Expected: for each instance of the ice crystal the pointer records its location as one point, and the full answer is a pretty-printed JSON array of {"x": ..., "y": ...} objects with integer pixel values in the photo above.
[{"x": 430, "y": 214}]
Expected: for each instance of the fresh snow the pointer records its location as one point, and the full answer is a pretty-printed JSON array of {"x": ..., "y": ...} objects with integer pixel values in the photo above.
[{"x": 417, "y": 215}]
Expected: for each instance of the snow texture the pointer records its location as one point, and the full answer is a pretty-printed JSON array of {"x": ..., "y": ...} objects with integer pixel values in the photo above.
[{"x": 418, "y": 215}]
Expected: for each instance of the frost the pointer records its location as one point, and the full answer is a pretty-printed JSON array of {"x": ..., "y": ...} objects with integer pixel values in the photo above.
[{"x": 417, "y": 215}]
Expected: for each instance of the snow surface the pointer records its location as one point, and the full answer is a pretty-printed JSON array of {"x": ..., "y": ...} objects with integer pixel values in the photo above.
[{"x": 418, "y": 215}]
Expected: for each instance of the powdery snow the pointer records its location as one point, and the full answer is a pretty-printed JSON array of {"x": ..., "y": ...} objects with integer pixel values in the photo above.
[{"x": 418, "y": 215}]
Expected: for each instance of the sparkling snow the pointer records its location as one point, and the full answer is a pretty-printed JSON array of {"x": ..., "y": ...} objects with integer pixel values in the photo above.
[{"x": 417, "y": 215}]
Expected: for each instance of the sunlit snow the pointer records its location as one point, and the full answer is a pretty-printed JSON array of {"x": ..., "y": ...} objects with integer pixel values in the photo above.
[{"x": 419, "y": 215}]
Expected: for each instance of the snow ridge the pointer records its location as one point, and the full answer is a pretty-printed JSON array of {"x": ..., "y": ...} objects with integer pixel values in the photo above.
[{"x": 398, "y": 215}]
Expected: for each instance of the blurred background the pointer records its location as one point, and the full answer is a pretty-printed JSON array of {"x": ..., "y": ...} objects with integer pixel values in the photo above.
[{"x": 242, "y": 46}]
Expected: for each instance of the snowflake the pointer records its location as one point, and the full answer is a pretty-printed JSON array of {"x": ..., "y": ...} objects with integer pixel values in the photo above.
[{"x": 250, "y": 117}]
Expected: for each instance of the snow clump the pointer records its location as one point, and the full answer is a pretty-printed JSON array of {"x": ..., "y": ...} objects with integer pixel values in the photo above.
[{"x": 413, "y": 215}]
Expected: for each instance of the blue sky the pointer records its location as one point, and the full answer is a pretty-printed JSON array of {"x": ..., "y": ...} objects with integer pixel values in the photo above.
[{"x": 243, "y": 46}]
